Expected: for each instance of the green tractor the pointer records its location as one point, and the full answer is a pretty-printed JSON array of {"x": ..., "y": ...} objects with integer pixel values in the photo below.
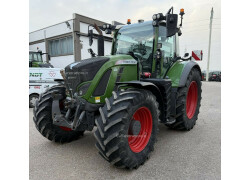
[
  {"x": 36, "y": 59},
  {"x": 126, "y": 94}
]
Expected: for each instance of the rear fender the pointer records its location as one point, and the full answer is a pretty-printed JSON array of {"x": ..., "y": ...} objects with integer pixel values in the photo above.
[{"x": 179, "y": 72}]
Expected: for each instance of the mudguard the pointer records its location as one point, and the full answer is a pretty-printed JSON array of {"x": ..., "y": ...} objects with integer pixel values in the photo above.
[
  {"x": 141, "y": 84},
  {"x": 178, "y": 73},
  {"x": 148, "y": 86}
]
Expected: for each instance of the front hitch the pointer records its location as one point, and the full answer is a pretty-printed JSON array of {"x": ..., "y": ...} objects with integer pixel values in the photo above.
[{"x": 60, "y": 119}]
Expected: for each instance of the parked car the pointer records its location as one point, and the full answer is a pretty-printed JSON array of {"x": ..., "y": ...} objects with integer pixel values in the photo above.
[
  {"x": 203, "y": 75},
  {"x": 215, "y": 76}
]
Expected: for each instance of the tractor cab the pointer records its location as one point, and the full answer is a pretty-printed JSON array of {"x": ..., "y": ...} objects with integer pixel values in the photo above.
[
  {"x": 153, "y": 44},
  {"x": 148, "y": 44},
  {"x": 36, "y": 60}
]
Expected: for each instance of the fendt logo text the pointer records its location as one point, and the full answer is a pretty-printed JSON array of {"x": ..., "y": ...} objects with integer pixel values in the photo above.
[{"x": 36, "y": 74}]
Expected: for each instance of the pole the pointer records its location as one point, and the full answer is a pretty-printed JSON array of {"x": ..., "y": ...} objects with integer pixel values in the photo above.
[
  {"x": 46, "y": 55},
  {"x": 209, "y": 45}
]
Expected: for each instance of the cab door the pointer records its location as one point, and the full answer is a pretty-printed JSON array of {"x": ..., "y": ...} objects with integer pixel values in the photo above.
[{"x": 168, "y": 49}]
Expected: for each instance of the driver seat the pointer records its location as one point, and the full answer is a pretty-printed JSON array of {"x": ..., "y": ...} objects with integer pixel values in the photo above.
[{"x": 147, "y": 65}]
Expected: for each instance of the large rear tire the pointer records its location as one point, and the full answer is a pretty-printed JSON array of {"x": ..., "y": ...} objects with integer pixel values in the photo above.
[
  {"x": 188, "y": 102},
  {"x": 44, "y": 122},
  {"x": 127, "y": 127}
]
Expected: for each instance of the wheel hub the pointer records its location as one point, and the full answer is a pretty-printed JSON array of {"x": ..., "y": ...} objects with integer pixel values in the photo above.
[{"x": 140, "y": 129}]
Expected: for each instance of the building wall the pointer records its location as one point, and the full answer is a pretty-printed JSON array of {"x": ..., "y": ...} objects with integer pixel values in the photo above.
[
  {"x": 84, "y": 29},
  {"x": 85, "y": 46},
  {"x": 51, "y": 31},
  {"x": 41, "y": 38},
  {"x": 62, "y": 61},
  {"x": 85, "y": 42}
]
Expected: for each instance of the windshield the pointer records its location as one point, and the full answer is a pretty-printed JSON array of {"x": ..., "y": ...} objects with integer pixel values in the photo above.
[
  {"x": 137, "y": 38},
  {"x": 35, "y": 56}
]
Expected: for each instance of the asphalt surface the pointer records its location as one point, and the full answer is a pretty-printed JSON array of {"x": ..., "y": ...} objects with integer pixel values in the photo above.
[{"x": 195, "y": 154}]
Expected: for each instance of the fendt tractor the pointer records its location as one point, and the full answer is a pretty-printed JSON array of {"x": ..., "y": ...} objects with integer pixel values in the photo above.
[
  {"x": 36, "y": 59},
  {"x": 126, "y": 94}
]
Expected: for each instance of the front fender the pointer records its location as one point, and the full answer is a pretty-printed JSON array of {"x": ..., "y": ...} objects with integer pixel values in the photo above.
[
  {"x": 148, "y": 86},
  {"x": 178, "y": 73}
]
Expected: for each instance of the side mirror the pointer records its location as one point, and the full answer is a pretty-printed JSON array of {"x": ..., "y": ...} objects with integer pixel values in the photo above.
[
  {"x": 171, "y": 24},
  {"x": 90, "y": 35}
]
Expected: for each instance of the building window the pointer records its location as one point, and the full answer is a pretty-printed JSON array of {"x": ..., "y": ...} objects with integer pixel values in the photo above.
[{"x": 62, "y": 46}]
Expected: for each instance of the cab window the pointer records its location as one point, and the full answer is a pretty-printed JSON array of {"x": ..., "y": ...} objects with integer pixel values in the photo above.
[
  {"x": 168, "y": 45},
  {"x": 34, "y": 56}
]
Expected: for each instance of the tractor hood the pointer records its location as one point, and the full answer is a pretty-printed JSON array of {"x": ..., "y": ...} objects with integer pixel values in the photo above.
[{"x": 83, "y": 71}]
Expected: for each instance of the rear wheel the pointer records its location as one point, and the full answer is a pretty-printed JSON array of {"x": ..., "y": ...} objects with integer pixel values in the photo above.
[
  {"x": 188, "y": 102},
  {"x": 127, "y": 127},
  {"x": 43, "y": 118}
]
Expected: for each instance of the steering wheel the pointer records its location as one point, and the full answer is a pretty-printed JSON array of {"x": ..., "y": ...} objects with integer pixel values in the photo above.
[
  {"x": 138, "y": 56},
  {"x": 140, "y": 48},
  {"x": 135, "y": 55}
]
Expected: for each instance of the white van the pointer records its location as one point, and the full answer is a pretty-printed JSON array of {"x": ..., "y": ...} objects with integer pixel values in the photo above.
[{"x": 41, "y": 79}]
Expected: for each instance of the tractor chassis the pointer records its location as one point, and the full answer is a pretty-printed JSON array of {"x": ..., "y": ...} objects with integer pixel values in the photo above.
[{"x": 84, "y": 112}]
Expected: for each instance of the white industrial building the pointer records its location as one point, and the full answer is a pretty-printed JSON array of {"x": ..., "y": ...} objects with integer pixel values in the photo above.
[{"x": 68, "y": 41}]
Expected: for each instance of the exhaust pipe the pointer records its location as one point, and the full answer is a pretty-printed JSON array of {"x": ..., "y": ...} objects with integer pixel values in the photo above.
[
  {"x": 100, "y": 41},
  {"x": 100, "y": 45}
]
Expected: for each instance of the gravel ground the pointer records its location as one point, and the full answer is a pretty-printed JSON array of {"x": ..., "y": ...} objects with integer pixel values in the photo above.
[{"x": 178, "y": 155}]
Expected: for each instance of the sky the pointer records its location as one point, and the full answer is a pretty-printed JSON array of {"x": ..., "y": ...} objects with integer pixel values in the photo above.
[{"x": 43, "y": 13}]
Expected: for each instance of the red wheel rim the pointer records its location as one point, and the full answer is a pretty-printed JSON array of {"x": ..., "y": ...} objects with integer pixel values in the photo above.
[
  {"x": 138, "y": 142},
  {"x": 61, "y": 106},
  {"x": 192, "y": 98},
  {"x": 65, "y": 128}
]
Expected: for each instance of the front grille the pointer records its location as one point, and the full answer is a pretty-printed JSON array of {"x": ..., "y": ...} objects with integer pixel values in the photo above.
[
  {"x": 73, "y": 80},
  {"x": 83, "y": 71},
  {"x": 101, "y": 87}
]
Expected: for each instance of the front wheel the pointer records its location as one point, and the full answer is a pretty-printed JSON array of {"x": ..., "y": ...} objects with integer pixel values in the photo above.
[
  {"x": 188, "y": 102},
  {"x": 127, "y": 127},
  {"x": 43, "y": 118}
]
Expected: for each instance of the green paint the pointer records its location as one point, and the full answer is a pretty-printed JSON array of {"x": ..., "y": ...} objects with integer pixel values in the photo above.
[
  {"x": 156, "y": 31},
  {"x": 130, "y": 71},
  {"x": 129, "y": 74},
  {"x": 36, "y": 74},
  {"x": 175, "y": 72},
  {"x": 36, "y": 64}
]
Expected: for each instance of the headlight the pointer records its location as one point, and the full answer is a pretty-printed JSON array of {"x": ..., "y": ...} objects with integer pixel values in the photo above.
[
  {"x": 154, "y": 23},
  {"x": 154, "y": 17},
  {"x": 108, "y": 31},
  {"x": 83, "y": 89},
  {"x": 104, "y": 26}
]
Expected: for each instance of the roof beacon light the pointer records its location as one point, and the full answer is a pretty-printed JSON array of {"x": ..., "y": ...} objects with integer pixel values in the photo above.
[
  {"x": 182, "y": 12},
  {"x": 129, "y": 21}
]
